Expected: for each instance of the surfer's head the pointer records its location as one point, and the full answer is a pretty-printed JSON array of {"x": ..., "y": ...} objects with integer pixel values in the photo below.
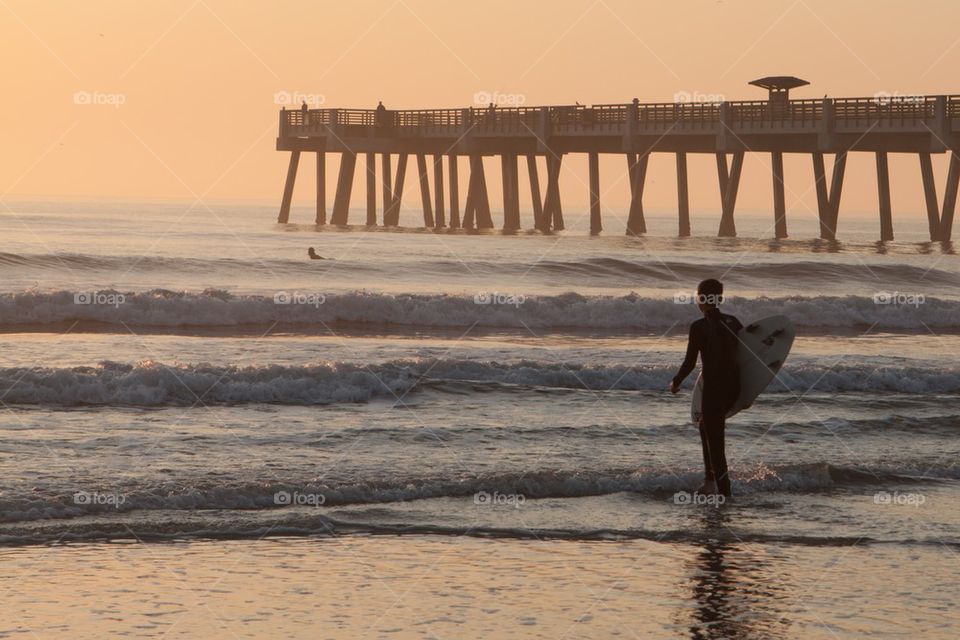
[{"x": 709, "y": 294}]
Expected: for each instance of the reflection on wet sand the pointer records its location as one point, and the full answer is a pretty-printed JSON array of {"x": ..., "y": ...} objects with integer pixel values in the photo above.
[{"x": 736, "y": 592}]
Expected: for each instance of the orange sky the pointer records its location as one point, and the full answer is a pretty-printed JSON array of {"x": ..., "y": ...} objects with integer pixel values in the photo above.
[{"x": 197, "y": 78}]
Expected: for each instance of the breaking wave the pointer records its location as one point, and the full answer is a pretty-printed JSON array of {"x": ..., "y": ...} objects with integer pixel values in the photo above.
[
  {"x": 150, "y": 384},
  {"x": 218, "y": 309}
]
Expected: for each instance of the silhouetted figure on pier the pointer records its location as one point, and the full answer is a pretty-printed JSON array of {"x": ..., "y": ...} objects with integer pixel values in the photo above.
[
  {"x": 381, "y": 114},
  {"x": 491, "y": 113},
  {"x": 714, "y": 337}
]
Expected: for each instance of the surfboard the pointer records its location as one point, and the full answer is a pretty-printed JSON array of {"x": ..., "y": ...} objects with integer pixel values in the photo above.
[{"x": 764, "y": 346}]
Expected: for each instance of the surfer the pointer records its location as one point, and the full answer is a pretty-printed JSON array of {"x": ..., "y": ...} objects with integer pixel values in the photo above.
[
  {"x": 314, "y": 255},
  {"x": 714, "y": 337}
]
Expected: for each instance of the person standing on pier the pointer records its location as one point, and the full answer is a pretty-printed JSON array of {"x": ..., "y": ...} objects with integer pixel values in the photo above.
[
  {"x": 714, "y": 337},
  {"x": 491, "y": 113},
  {"x": 381, "y": 114}
]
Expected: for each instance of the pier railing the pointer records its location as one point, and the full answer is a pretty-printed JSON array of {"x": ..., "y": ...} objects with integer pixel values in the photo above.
[{"x": 894, "y": 111}]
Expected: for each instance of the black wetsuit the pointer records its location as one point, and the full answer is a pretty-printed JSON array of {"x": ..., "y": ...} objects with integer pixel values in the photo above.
[{"x": 714, "y": 337}]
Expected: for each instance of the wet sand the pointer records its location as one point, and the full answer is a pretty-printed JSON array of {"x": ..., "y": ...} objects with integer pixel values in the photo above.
[{"x": 456, "y": 587}]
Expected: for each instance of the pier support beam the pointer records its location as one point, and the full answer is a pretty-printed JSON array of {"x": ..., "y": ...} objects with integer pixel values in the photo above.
[
  {"x": 371, "y": 165},
  {"x": 883, "y": 195},
  {"x": 484, "y": 220},
  {"x": 596, "y": 224},
  {"x": 729, "y": 187},
  {"x": 930, "y": 193},
  {"x": 534, "y": 173},
  {"x": 511, "y": 192},
  {"x": 341, "y": 203},
  {"x": 823, "y": 197},
  {"x": 683, "y": 196},
  {"x": 321, "y": 217},
  {"x": 779, "y": 196},
  {"x": 836, "y": 189},
  {"x": 425, "y": 190},
  {"x": 439, "y": 218},
  {"x": 385, "y": 177},
  {"x": 477, "y": 210},
  {"x": 552, "y": 208},
  {"x": 950, "y": 197},
  {"x": 392, "y": 218},
  {"x": 470, "y": 206},
  {"x": 828, "y": 200},
  {"x": 284, "y": 216},
  {"x": 637, "y": 172},
  {"x": 453, "y": 170}
]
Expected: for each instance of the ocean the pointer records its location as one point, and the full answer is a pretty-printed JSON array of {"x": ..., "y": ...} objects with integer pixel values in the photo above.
[{"x": 470, "y": 434}]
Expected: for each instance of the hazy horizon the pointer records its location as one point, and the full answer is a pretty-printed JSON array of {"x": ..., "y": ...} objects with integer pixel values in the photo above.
[{"x": 187, "y": 89}]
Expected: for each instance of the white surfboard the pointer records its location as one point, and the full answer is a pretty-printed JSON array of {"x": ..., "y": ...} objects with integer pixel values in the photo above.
[{"x": 764, "y": 346}]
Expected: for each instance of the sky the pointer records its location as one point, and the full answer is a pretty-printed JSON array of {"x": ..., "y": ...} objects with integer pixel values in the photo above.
[{"x": 176, "y": 99}]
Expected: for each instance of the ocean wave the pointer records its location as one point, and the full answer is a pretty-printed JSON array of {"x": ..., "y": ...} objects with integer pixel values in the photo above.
[
  {"x": 655, "y": 483},
  {"x": 512, "y": 310},
  {"x": 797, "y": 271},
  {"x": 319, "y": 526},
  {"x": 150, "y": 384},
  {"x": 749, "y": 273}
]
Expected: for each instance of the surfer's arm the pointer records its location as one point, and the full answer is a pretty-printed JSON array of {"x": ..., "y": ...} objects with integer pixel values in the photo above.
[{"x": 690, "y": 360}]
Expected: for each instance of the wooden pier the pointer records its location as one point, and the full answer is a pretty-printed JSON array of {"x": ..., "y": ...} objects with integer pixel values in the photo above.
[{"x": 919, "y": 125}]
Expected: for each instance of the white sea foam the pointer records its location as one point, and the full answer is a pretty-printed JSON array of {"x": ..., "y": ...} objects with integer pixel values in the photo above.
[
  {"x": 221, "y": 309},
  {"x": 156, "y": 384},
  {"x": 657, "y": 482}
]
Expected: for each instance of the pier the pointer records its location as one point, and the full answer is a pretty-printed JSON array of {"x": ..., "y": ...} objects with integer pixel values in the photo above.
[{"x": 436, "y": 138}]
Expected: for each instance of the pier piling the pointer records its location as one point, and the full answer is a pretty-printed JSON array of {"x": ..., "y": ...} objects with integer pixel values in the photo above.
[
  {"x": 779, "y": 197},
  {"x": 883, "y": 194},
  {"x": 425, "y": 190},
  {"x": 386, "y": 175},
  {"x": 321, "y": 188},
  {"x": 930, "y": 195},
  {"x": 284, "y": 216},
  {"x": 596, "y": 225},
  {"x": 637, "y": 168},
  {"x": 535, "y": 199},
  {"x": 370, "y": 162},
  {"x": 950, "y": 197},
  {"x": 438, "y": 213},
  {"x": 511, "y": 192},
  {"x": 454, "y": 179},
  {"x": 341, "y": 202},
  {"x": 683, "y": 196}
]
